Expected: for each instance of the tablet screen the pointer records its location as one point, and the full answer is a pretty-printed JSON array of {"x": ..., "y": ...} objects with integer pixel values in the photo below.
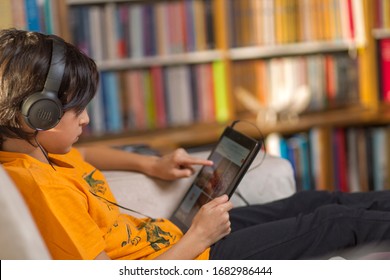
[{"x": 231, "y": 157}]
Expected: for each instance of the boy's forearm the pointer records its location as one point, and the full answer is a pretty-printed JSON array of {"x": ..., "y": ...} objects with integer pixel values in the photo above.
[{"x": 105, "y": 158}]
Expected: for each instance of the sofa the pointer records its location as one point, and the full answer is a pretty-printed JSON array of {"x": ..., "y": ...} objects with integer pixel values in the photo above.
[{"x": 20, "y": 238}]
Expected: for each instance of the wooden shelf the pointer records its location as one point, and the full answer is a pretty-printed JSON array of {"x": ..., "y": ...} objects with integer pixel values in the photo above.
[
  {"x": 341, "y": 117},
  {"x": 90, "y": 2},
  {"x": 381, "y": 33},
  {"x": 233, "y": 54},
  {"x": 303, "y": 48},
  {"x": 166, "y": 60},
  {"x": 203, "y": 134}
]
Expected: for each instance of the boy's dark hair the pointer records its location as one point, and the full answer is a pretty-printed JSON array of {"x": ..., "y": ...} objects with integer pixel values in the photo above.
[{"x": 24, "y": 63}]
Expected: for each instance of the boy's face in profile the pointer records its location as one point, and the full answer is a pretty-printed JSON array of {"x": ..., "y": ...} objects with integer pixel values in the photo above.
[{"x": 60, "y": 139}]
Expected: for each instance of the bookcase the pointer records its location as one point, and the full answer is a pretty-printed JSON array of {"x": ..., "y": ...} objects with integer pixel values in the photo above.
[
  {"x": 163, "y": 68},
  {"x": 311, "y": 74},
  {"x": 197, "y": 47}
]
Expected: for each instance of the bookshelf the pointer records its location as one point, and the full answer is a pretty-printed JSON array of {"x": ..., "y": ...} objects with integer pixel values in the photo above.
[
  {"x": 291, "y": 38},
  {"x": 240, "y": 42}
]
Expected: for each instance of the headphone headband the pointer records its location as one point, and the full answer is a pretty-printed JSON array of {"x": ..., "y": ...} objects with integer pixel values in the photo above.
[{"x": 57, "y": 67}]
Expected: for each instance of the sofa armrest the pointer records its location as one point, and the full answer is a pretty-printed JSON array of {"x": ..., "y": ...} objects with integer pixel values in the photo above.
[{"x": 272, "y": 179}]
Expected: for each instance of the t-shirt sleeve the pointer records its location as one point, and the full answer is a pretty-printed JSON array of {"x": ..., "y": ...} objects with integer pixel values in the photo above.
[{"x": 69, "y": 233}]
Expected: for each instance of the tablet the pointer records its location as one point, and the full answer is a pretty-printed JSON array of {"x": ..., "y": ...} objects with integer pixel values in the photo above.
[{"x": 232, "y": 156}]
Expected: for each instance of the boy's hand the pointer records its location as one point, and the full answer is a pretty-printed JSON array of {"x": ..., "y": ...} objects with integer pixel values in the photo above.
[
  {"x": 212, "y": 221},
  {"x": 176, "y": 165}
]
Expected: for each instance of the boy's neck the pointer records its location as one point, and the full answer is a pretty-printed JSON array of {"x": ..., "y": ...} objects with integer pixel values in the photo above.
[{"x": 23, "y": 147}]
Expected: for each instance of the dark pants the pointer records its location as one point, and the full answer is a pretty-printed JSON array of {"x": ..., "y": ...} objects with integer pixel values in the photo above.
[{"x": 307, "y": 225}]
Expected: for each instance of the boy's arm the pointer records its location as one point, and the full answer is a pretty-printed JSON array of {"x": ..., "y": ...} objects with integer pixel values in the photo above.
[{"x": 172, "y": 166}]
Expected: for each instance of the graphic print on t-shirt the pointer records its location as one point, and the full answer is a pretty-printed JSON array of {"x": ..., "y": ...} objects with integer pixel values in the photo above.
[{"x": 96, "y": 186}]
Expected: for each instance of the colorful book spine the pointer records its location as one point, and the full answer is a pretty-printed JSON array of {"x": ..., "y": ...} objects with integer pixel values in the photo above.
[
  {"x": 18, "y": 13},
  {"x": 6, "y": 19},
  {"x": 157, "y": 83},
  {"x": 384, "y": 64},
  {"x": 220, "y": 90},
  {"x": 150, "y": 101},
  {"x": 33, "y": 15},
  {"x": 112, "y": 99}
]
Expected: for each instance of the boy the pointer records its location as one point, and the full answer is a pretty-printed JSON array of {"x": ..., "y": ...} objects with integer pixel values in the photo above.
[
  {"x": 64, "y": 193},
  {"x": 45, "y": 86}
]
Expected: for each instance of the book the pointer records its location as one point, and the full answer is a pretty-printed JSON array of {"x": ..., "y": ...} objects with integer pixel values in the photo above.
[
  {"x": 111, "y": 101},
  {"x": 363, "y": 159},
  {"x": 380, "y": 163},
  {"x": 96, "y": 33},
  {"x": 96, "y": 111},
  {"x": 110, "y": 31},
  {"x": 205, "y": 92},
  {"x": 6, "y": 16},
  {"x": 231, "y": 23},
  {"x": 330, "y": 81},
  {"x": 122, "y": 23},
  {"x": 136, "y": 31},
  {"x": 199, "y": 18},
  {"x": 321, "y": 158},
  {"x": 293, "y": 156},
  {"x": 176, "y": 27},
  {"x": 340, "y": 160},
  {"x": 352, "y": 160},
  {"x": 222, "y": 113},
  {"x": 190, "y": 41},
  {"x": 81, "y": 28},
  {"x": 18, "y": 13},
  {"x": 33, "y": 16},
  {"x": 162, "y": 28},
  {"x": 157, "y": 84},
  {"x": 148, "y": 27},
  {"x": 299, "y": 145},
  {"x": 384, "y": 68},
  {"x": 194, "y": 93},
  {"x": 135, "y": 100},
  {"x": 358, "y": 22},
  {"x": 179, "y": 95},
  {"x": 150, "y": 101},
  {"x": 280, "y": 26},
  {"x": 209, "y": 22},
  {"x": 49, "y": 14}
]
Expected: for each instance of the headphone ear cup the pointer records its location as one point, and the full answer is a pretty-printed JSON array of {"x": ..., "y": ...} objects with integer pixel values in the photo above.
[{"x": 42, "y": 110}]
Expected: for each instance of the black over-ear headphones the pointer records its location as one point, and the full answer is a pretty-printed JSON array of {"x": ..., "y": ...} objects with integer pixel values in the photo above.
[{"x": 43, "y": 110}]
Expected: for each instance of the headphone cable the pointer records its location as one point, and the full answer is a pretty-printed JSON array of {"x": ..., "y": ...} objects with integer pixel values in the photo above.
[
  {"x": 120, "y": 206},
  {"x": 43, "y": 150},
  {"x": 261, "y": 141}
]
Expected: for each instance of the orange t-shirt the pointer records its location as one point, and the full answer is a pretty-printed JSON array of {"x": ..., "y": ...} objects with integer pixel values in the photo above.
[{"x": 70, "y": 209}]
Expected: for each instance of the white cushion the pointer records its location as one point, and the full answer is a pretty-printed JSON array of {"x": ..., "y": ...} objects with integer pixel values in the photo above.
[{"x": 19, "y": 236}]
